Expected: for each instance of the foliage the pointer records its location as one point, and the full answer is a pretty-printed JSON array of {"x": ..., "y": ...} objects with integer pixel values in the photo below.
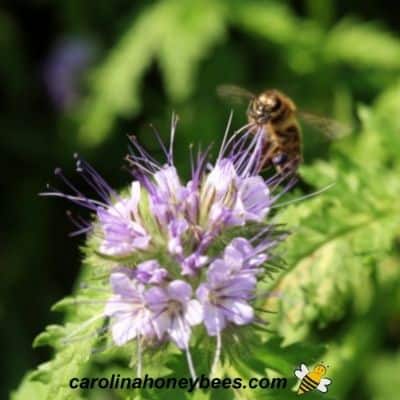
[{"x": 178, "y": 33}]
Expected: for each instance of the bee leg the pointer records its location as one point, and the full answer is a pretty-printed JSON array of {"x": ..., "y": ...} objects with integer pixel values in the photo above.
[
  {"x": 267, "y": 159},
  {"x": 280, "y": 159},
  {"x": 289, "y": 166}
]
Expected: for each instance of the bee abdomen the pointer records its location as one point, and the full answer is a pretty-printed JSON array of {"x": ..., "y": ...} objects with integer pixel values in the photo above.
[
  {"x": 306, "y": 385},
  {"x": 290, "y": 132}
]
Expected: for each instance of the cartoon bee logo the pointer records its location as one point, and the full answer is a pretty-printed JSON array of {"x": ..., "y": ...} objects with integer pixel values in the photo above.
[{"x": 312, "y": 380}]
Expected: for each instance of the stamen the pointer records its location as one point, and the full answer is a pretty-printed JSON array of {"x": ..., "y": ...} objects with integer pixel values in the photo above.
[
  {"x": 82, "y": 201},
  {"x": 145, "y": 157},
  {"x": 58, "y": 172},
  {"x": 187, "y": 351},
  {"x": 105, "y": 195},
  {"x": 217, "y": 349},
  {"x": 235, "y": 134},
  {"x": 227, "y": 129},
  {"x": 191, "y": 159},
  {"x": 100, "y": 184},
  {"x": 174, "y": 122},
  {"x": 136, "y": 163},
  {"x": 190, "y": 363},
  {"x": 139, "y": 358},
  {"x": 160, "y": 142},
  {"x": 307, "y": 196},
  {"x": 200, "y": 166},
  {"x": 80, "y": 223}
]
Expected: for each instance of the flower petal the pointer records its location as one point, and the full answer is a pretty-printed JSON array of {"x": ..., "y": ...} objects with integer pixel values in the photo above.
[
  {"x": 214, "y": 319},
  {"x": 161, "y": 323},
  {"x": 253, "y": 198},
  {"x": 180, "y": 332},
  {"x": 116, "y": 305},
  {"x": 122, "y": 285},
  {"x": 240, "y": 313},
  {"x": 156, "y": 298},
  {"x": 124, "y": 329},
  {"x": 180, "y": 290},
  {"x": 194, "y": 312}
]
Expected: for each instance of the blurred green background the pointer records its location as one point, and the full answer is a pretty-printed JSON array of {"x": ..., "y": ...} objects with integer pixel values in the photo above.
[{"x": 79, "y": 76}]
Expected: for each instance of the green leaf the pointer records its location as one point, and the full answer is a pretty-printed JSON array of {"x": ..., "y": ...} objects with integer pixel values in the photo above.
[
  {"x": 197, "y": 27},
  {"x": 180, "y": 34},
  {"x": 73, "y": 344},
  {"x": 272, "y": 20},
  {"x": 363, "y": 45},
  {"x": 285, "y": 359},
  {"x": 382, "y": 377},
  {"x": 51, "y": 335},
  {"x": 115, "y": 84},
  {"x": 30, "y": 390}
]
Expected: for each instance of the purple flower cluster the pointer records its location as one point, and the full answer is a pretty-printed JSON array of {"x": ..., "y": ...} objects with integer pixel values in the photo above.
[
  {"x": 147, "y": 303},
  {"x": 172, "y": 269}
]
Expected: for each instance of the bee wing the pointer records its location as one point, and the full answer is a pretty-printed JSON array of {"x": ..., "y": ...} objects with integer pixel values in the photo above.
[
  {"x": 329, "y": 127},
  {"x": 302, "y": 371},
  {"x": 322, "y": 386},
  {"x": 234, "y": 93}
]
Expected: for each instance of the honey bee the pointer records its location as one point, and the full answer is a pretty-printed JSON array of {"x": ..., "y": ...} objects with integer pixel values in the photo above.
[
  {"x": 312, "y": 380},
  {"x": 277, "y": 115}
]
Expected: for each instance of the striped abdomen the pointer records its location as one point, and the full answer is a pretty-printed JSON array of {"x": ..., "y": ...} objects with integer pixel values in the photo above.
[
  {"x": 307, "y": 384},
  {"x": 286, "y": 139}
]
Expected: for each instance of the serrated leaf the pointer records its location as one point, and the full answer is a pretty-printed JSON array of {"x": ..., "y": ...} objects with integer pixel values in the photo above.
[{"x": 51, "y": 335}]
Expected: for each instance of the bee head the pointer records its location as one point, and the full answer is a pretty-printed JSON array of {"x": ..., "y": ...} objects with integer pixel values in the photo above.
[
  {"x": 320, "y": 369},
  {"x": 268, "y": 105}
]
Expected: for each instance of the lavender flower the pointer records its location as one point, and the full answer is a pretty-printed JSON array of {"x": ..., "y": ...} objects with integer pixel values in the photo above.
[
  {"x": 232, "y": 199},
  {"x": 230, "y": 285},
  {"x": 128, "y": 309},
  {"x": 175, "y": 312},
  {"x": 122, "y": 227},
  {"x": 168, "y": 235},
  {"x": 150, "y": 272}
]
